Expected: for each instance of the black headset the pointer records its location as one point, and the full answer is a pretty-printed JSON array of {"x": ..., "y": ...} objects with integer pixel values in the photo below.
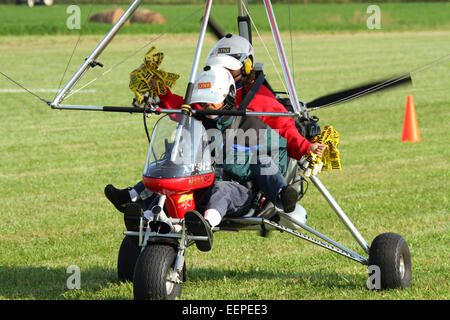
[{"x": 230, "y": 100}]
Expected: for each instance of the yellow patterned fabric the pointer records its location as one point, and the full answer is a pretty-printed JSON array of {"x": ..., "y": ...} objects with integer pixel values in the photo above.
[
  {"x": 330, "y": 158},
  {"x": 141, "y": 78}
]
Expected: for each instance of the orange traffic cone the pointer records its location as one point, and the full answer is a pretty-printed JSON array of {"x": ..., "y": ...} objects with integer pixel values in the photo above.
[{"x": 410, "y": 124}]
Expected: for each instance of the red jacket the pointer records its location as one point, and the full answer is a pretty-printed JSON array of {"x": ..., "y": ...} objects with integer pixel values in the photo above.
[{"x": 263, "y": 101}]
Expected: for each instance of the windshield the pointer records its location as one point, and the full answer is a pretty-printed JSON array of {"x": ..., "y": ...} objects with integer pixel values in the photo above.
[{"x": 178, "y": 151}]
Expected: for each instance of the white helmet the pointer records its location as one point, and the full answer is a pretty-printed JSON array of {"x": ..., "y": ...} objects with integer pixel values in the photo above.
[
  {"x": 231, "y": 52},
  {"x": 213, "y": 84}
]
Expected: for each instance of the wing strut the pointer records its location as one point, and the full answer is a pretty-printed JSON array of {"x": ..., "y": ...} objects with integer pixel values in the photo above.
[
  {"x": 90, "y": 61},
  {"x": 298, "y": 107}
]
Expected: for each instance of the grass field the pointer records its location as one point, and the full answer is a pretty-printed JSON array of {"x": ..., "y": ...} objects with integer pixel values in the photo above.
[
  {"x": 20, "y": 20},
  {"x": 55, "y": 164}
]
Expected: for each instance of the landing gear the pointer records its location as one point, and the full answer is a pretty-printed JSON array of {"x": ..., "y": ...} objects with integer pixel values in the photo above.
[
  {"x": 154, "y": 274},
  {"x": 390, "y": 253}
]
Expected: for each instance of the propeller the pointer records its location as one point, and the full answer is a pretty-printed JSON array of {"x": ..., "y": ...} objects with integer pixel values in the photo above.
[
  {"x": 356, "y": 92},
  {"x": 340, "y": 96},
  {"x": 215, "y": 28}
]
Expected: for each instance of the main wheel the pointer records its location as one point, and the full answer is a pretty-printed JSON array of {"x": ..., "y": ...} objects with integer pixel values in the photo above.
[
  {"x": 153, "y": 274},
  {"x": 128, "y": 255},
  {"x": 390, "y": 252}
]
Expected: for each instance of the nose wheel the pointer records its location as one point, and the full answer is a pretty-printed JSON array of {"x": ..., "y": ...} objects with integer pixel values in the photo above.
[{"x": 153, "y": 274}]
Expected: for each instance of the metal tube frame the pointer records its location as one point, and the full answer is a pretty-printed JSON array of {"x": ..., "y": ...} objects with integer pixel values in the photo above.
[
  {"x": 340, "y": 213},
  {"x": 330, "y": 245},
  {"x": 164, "y": 235},
  {"x": 298, "y": 107},
  {"x": 170, "y": 111},
  {"x": 189, "y": 89},
  {"x": 337, "y": 248},
  {"x": 96, "y": 53},
  {"x": 320, "y": 235},
  {"x": 200, "y": 42}
]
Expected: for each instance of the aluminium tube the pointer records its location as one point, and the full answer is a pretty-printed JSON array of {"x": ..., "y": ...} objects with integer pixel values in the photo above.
[
  {"x": 190, "y": 86},
  {"x": 280, "y": 227},
  {"x": 298, "y": 108},
  {"x": 323, "y": 237},
  {"x": 341, "y": 214},
  {"x": 187, "y": 98},
  {"x": 174, "y": 111},
  {"x": 94, "y": 55}
]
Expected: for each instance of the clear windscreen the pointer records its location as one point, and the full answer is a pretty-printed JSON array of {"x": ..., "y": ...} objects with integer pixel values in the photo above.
[{"x": 178, "y": 151}]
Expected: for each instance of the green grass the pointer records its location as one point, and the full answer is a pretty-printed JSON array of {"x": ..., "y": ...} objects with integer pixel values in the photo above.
[
  {"x": 21, "y": 20},
  {"x": 55, "y": 164}
]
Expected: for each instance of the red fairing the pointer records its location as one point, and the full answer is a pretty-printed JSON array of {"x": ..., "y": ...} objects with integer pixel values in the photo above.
[
  {"x": 179, "y": 204},
  {"x": 179, "y": 191},
  {"x": 178, "y": 185}
]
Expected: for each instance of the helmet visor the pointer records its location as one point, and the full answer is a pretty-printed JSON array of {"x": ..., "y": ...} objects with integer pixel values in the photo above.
[
  {"x": 241, "y": 57},
  {"x": 225, "y": 61},
  {"x": 205, "y": 95}
]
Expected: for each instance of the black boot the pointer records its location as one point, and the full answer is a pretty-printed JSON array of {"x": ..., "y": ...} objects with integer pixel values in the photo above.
[
  {"x": 120, "y": 198},
  {"x": 198, "y": 226},
  {"x": 288, "y": 197}
]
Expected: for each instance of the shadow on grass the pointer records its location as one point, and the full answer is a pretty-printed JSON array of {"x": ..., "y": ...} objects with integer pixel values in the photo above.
[
  {"x": 321, "y": 279},
  {"x": 49, "y": 283}
]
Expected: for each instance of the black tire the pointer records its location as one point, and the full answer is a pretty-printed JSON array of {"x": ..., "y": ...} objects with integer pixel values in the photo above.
[
  {"x": 390, "y": 252},
  {"x": 128, "y": 255},
  {"x": 153, "y": 267}
]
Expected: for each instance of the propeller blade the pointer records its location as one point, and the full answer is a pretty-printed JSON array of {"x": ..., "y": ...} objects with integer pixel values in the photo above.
[
  {"x": 353, "y": 93},
  {"x": 215, "y": 28}
]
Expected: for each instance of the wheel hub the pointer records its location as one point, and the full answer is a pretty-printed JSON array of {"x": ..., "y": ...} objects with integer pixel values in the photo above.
[
  {"x": 169, "y": 284},
  {"x": 401, "y": 267}
]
